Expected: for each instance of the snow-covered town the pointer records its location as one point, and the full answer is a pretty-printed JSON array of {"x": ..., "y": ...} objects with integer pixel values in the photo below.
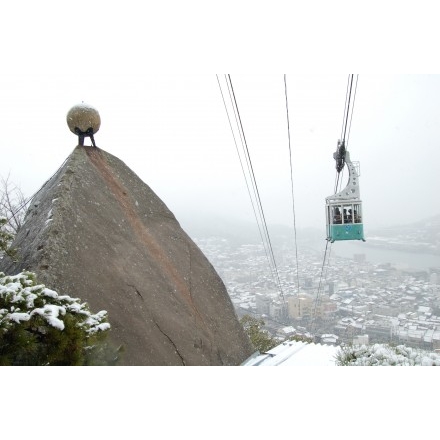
[{"x": 350, "y": 301}]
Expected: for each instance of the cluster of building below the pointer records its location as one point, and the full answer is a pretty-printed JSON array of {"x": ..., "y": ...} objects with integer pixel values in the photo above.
[{"x": 351, "y": 301}]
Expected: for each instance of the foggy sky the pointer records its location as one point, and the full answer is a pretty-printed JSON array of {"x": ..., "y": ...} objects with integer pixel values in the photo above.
[{"x": 172, "y": 130}]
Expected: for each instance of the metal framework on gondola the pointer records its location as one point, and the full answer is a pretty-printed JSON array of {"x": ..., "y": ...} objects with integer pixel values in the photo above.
[{"x": 344, "y": 209}]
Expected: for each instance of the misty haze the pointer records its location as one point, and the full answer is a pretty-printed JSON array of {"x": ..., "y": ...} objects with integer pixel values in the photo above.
[
  {"x": 201, "y": 224},
  {"x": 249, "y": 185}
]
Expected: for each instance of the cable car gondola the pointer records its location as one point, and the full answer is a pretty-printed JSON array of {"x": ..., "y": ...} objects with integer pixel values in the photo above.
[{"x": 344, "y": 209}]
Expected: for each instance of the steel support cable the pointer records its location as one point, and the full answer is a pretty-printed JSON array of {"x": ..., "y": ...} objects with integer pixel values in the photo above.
[
  {"x": 256, "y": 188},
  {"x": 263, "y": 240},
  {"x": 291, "y": 180},
  {"x": 263, "y": 234},
  {"x": 248, "y": 160},
  {"x": 348, "y": 136},
  {"x": 328, "y": 261},
  {"x": 352, "y": 109},
  {"x": 347, "y": 111},
  {"x": 313, "y": 315},
  {"x": 344, "y": 117},
  {"x": 347, "y": 108},
  {"x": 336, "y": 183},
  {"x": 272, "y": 261},
  {"x": 339, "y": 180},
  {"x": 246, "y": 155},
  {"x": 244, "y": 174}
]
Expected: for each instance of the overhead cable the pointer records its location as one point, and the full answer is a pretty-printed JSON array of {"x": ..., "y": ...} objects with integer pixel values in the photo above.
[
  {"x": 244, "y": 174},
  {"x": 265, "y": 233},
  {"x": 291, "y": 181}
]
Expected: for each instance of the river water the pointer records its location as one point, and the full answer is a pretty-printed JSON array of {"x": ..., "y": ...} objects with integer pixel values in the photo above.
[{"x": 399, "y": 259}]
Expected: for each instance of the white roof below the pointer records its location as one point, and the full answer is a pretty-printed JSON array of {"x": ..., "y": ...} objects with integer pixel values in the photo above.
[{"x": 295, "y": 353}]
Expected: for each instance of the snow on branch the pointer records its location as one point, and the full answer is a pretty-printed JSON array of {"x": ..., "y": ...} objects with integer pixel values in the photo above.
[{"x": 21, "y": 299}]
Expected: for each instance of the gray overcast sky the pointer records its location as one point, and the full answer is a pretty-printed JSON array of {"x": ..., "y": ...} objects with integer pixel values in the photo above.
[{"x": 172, "y": 130}]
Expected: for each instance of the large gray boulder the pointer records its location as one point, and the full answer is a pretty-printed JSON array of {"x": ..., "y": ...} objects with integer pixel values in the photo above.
[{"x": 97, "y": 232}]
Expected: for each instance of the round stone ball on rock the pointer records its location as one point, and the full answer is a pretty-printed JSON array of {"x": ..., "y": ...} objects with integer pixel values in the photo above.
[{"x": 83, "y": 117}]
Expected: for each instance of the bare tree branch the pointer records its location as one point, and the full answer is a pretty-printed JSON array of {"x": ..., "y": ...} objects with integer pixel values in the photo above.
[{"x": 12, "y": 204}]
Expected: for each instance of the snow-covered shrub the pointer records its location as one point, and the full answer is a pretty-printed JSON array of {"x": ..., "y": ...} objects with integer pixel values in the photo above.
[
  {"x": 385, "y": 355},
  {"x": 259, "y": 337},
  {"x": 40, "y": 327}
]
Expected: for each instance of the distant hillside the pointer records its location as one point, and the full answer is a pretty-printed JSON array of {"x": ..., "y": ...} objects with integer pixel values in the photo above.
[
  {"x": 420, "y": 236},
  {"x": 206, "y": 226},
  {"x": 244, "y": 232}
]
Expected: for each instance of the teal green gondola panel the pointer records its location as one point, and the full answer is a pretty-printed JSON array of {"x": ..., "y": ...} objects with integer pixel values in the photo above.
[{"x": 354, "y": 231}]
